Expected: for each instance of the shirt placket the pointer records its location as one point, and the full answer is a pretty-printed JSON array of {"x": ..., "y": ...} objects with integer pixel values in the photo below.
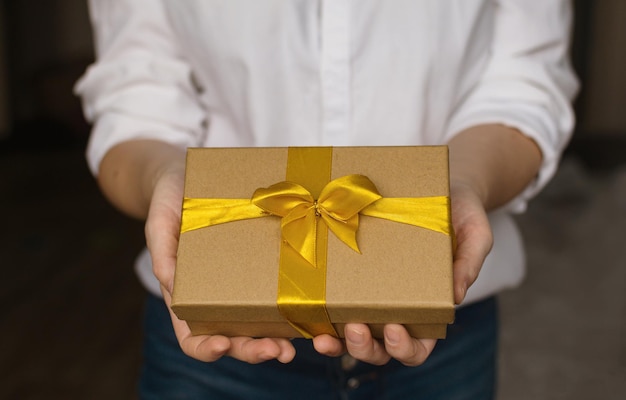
[{"x": 335, "y": 71}]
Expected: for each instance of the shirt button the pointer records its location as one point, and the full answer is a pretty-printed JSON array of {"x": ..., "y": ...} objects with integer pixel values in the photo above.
[
  {"x": 348, "y": 362},
  {"x": 353, "y": 383}
]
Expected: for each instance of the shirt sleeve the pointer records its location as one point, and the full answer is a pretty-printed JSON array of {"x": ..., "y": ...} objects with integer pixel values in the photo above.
[
  {"x": 528, "y": 82},
  {"x": 140, "y": 87}
]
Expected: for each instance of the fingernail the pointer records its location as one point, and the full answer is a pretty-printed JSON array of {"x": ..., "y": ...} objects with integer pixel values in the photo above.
[
  {"x": 266, "y": 356},
  {"x": 355, "y": 336},
  {"x": 463, "y": 291},
  {"x": 392, "y": 337},
  {"x": 464, "y": 288}
]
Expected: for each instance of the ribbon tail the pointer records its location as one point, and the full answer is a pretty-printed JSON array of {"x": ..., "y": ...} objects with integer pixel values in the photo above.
[
  {"x": 201, "y": 213},
  {"x": 299, "y": 230},
  {"x": 345, "y": 230},
  {"x": 431, "y": 213}
]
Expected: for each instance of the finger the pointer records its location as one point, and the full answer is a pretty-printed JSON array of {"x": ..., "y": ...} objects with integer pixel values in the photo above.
[
  {"x": 406, "y": 349},
  {"x": 287, "y": 351},
  {"x": 468, "y": 260},
  {"x": 162, "y": 234},
  {"x": 162, "y": 228},
  {"x": 474, "y": 242},
  {"x": 201, "y": 347},
  {"x": 255, "y": 351},
  {"x": 212, "y": 347},
  {"x": 207, "y": 348},
  {"x": 362, "y": 346},
  {"x": 328, "y": 345}
]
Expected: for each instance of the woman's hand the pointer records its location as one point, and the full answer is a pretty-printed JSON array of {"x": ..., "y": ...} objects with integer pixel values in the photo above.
[
  {"x": 145, "y": 178},
  {"x": 162, "y": 232},
  {"x": 489, "y": 165},
  {"x": 474, "y": 241}
]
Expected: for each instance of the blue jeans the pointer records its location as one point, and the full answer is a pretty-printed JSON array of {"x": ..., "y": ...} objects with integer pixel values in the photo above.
[{"x": 463, "y": 366}]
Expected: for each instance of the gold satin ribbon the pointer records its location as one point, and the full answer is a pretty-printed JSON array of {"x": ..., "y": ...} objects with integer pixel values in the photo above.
[
  {"x": 339, "y": 205},
  {"x": 304, "y": 218}
]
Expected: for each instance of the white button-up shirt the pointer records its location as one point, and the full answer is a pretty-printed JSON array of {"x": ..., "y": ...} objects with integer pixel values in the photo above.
[{"x": 235, "y": 73}]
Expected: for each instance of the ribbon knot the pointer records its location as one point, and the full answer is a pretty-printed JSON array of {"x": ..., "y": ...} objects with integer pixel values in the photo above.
[
  {"x": 338, "y": 206},
  {"x": 318, "y": 213}
]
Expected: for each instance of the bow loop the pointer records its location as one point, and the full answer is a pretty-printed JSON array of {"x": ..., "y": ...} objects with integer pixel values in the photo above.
[
  {"x": 340, "y": 203},
  {"x": 281, "y": 198},
  {"x": 345, "y": 197}
]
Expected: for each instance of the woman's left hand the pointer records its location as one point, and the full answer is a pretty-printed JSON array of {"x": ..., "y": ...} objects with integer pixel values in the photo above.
[{"x": 474, "y": 241}]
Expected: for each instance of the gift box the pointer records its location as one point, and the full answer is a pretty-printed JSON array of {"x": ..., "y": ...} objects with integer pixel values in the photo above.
[{"x": 291, "y": 242}]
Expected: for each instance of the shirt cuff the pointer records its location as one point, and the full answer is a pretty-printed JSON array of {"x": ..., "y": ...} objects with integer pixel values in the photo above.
[
  {"x": 549, "y": 133},
  {"x": 143, "y": 99}
]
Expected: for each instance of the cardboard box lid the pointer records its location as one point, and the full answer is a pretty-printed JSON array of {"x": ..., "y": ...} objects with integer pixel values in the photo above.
[{"x": 228, "y": 272}]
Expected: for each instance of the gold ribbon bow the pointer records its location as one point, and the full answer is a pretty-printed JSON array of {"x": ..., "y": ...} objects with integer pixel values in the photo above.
[{"x": 338, "y": 205}]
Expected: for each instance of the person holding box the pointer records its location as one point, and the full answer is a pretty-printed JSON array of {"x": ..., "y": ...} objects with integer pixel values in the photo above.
[{"x": 490, "y": 79}]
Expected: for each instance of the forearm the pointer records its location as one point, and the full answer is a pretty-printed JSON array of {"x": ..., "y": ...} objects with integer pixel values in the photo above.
[
  {"x": 496, "y": 161},
  {"x": 129, "y": 171}
]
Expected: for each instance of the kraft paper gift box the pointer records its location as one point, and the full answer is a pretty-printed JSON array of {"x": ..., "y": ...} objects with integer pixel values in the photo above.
[{"x": 264, "y": 262}]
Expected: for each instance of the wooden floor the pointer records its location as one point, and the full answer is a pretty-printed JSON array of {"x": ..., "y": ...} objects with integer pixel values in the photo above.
[{"x": 71, "y": 304}]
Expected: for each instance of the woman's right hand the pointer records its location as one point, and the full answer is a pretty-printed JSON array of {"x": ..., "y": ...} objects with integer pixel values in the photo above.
[
  {"x": 144, "y": 178},
  {"x": 162, "y": 233}
]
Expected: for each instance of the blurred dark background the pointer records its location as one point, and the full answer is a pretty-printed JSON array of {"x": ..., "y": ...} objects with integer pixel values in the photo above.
[{"x": 71, "y": 315}]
